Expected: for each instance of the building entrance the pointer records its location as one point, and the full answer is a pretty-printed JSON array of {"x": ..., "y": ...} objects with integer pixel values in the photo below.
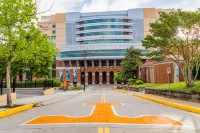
[
  {"x": 96, "y": 77},
  {"x": 104, "y": 78}
]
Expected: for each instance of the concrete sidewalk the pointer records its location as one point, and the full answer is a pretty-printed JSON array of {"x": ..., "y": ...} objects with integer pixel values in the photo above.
[
  {"x": 45, "y": 99},
  {"x": 183, "y": 102}
]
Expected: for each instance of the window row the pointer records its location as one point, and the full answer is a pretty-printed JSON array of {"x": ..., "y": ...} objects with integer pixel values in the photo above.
[
  {"x": 104, "y": 33},
  {"x": 102, "y": 41},
  {"x": 104, "y": 20},
  {"x": 104, "y": 27}
]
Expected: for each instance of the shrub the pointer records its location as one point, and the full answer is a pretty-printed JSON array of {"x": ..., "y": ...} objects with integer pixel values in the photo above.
[
  {"x": 131, "y": 80},
  {"x": 139, "y": 82},
  {"x": 76, "y": 88}
]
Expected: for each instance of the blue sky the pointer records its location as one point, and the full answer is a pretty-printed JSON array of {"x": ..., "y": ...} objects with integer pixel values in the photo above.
[{"x": 112, "y": 5}]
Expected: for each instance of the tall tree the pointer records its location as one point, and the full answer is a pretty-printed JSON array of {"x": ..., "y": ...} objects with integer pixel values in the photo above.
[
  {"x": 16, "y": 18},
  {"x": 130, "y": 63},
  {"x": 176, "y": 36},
  {"x": 2, "y": 62},
  {"x": 40, "y": 53}
]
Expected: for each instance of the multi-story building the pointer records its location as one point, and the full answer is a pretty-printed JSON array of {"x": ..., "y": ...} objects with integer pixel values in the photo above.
[{"x": 97, "y": 41}]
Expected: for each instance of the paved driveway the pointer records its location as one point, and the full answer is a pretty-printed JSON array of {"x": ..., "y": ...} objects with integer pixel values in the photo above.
[{"x": 102, "y": 110}]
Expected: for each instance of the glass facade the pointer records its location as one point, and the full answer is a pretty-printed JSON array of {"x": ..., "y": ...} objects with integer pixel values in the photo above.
[
  {"x": 104, "y": 20},
  {"x": 105, "y": 27},
  {"x": 102, "y": 41},
  {"x": 104, "y": 33},
  {"x": 93, "y": 53}
]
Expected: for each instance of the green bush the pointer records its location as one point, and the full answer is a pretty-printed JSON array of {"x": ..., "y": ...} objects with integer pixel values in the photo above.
[
  {"x": 76, "y": 88},
  {"x": 139, "y": 82},
  {"x": 131, "y": 80}
]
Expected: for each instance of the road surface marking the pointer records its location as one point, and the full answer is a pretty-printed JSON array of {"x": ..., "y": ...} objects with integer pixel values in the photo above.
[
  {"x": 103, "y": 130},
  {"x": 107, "y": 130},
  {"x": 104, "y": 113},
  {"x": 100, "y": 130}
]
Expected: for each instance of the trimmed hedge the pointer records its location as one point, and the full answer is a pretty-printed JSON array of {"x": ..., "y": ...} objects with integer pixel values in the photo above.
[
  {"x": 139, "y": 82},
  {"x": 76, "y": 88},
  {"x": 136, "y": 81}
]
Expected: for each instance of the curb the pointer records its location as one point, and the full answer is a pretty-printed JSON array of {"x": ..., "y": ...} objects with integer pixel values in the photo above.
[
  {"x": 120, "y": 90},
  {"x": 175, "y": 105},
  {"x": 15, "y": 110}
]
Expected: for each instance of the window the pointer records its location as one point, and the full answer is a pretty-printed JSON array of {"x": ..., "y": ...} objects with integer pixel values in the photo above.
[
  {"x": 157, "y": 21},
  {"x": 48, "y": 37},
  {"x": 53, "y": 26},
  {"x": 53, "y": 32},
  {"x": 53, "y": 38}
]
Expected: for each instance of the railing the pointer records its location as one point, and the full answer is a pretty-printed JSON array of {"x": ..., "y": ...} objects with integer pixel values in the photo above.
[{"x": 45, "y": 84}]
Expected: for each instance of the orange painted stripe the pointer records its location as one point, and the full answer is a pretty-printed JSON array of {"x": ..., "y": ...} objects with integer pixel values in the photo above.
[{"x": 103, "y": 113}]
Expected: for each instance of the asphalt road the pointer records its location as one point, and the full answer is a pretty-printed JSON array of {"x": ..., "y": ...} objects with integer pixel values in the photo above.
[{"x": 142, "y": 116}]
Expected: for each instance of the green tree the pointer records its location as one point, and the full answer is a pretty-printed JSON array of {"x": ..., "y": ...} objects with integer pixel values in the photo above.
[
  {"x": 117, "y": 77},
  {"x": 25, "y": 49},
  {"x": 40, "y": 54},
  {"x": 2, "y": 62},
  {"x": 15, "y": 19},
  {"x": 130, "y": 63},
  {"x": 177, "y": 37}
]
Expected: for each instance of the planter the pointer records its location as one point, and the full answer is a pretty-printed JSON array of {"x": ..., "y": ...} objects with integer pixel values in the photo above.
[
  {"x": 4, "y": 97},
  {"x": 49, "y": 91},
  {"x": 195, "y": 97}
]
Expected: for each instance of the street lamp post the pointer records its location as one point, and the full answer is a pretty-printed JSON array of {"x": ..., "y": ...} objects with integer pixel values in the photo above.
[{"x": 169, "y": 72}]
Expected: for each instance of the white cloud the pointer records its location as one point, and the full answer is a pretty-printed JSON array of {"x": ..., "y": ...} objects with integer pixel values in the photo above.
[
  {"x": 112, "y": 5},
  {"x": 95, "y": 6}
]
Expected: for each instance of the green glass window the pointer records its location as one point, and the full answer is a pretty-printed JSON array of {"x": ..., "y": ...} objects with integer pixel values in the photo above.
[
  {"x": 53, "y": 38},
  {"x": 105, "y": 27},
  {"x": 53, "y": 26},
  {"x": 103, "y": 41},
  {"x": 105, "y": 20},
  {"x": 103, "y": 33},
  {"x": 53, "y": 31}
]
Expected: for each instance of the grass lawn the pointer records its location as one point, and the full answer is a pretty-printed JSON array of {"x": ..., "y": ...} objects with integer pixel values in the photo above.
[
  {"x": 76, "y": 88},
  {"x": 174, "y": 86}
]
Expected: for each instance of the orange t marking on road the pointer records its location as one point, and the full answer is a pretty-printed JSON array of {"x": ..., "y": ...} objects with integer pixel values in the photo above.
[{"x": 103, "y": 113}]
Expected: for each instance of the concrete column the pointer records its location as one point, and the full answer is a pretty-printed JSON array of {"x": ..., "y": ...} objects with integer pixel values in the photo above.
[
  {"x": 71, "y": 76},
  {"x": 93, "y": 78},
  {"x": 115, "y": 63},
  {"x": 92, "y": 63},
  {"x": 64, "y": 75},
  {"x": 100, "y": 63},
  {"x": 107, "y": 63},
  {"x": 78, "y": 76},
  {"x": 108, "y": 78},
  {"x": 70, "y": 64},
  {"x": 57, "y": 74},
  {"x": 77, "y": 63},
  {"x": 63, "y": 64},
  {"x": 100, "y": 78},
  {"x": 86, "y": 78},
  {"x": 85, "y": 63},
  {"x": 115, "y": 82}
]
